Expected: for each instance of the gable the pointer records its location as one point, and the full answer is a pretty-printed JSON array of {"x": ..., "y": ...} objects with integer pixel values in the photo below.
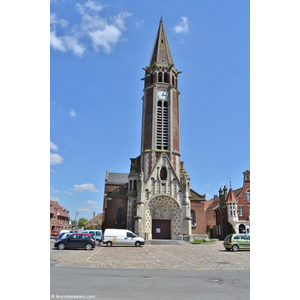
[{"x": 163, "y": 171}]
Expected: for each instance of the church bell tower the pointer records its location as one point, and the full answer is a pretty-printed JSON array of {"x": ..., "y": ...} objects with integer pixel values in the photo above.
[
  {"x": 159, "y": 207},
  {"x": 160, "y": 121}
]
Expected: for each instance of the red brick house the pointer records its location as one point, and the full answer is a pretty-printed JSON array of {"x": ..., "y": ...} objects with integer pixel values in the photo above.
[
  {"x": 233, "y": 211},
  {"x": 59, "y": 217}
]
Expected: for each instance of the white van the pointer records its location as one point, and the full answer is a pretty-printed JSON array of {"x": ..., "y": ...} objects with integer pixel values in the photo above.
[{"x": 121, "y": 237}]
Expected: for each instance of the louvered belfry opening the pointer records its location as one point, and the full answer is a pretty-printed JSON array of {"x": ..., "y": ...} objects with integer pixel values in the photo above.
[{"x": 162, "y": 125}]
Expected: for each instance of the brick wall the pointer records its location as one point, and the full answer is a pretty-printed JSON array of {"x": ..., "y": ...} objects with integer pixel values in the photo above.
[
  {"x": 111, "y": 213},
  {"x": 200, "y": 217},
  {"x": 148, "y": 120}
]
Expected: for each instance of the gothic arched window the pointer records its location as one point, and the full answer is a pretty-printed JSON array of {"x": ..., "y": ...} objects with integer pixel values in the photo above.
[
  {"x": 120, "y": 216},
  {"x": 163, "y": 173},
  {"x": 193, "y": 217}
]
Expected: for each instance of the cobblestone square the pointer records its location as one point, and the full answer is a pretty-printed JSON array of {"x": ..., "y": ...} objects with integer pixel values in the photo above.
[{"x": 210, "y": 256}]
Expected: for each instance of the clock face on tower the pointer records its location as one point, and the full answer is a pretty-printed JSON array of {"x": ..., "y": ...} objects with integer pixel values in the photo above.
[{"x": 163, "y": 94}]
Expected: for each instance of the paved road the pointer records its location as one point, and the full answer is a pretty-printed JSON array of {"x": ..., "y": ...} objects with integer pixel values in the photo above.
[{"x": 125, "y": 284}]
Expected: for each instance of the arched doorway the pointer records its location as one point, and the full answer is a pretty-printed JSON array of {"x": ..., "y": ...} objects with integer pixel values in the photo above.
[
  {"x": 242, "y": 228},
  {"x": 163, "y": 218}
]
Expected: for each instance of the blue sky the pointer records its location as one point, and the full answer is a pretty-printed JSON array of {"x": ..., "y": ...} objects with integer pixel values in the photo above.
[{"x": 97, "y": 52}]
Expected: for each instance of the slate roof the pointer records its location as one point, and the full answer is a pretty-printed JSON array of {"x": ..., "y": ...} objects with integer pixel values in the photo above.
[
  {"x": 116, "y": 178},
  {"x": 161, "y": 54},
  {"x": 231, "y": 197}
]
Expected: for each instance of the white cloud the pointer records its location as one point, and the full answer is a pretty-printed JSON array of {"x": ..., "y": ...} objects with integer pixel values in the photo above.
[
  {"x": 53, "y": 146},
  {"x": 68, "y": 193},
  {"x": 91, "y": 202},
  {"x": 56, "y": 42},
  {"x": 104, "y": 33},
  {"x": 55, "y": 159},
  {"x": 89, "y": 5},
  {"x": 139, "y": 24},
  {"x": 72, "y": 113},
  {"x": 53, "y": 190},
  {"x": 66, "y": 43},
  {"x": 86, "y": 187},
  {"x": 63, "y": 23},
  {"x": 83, "y": 209},
  {"x": 54, "y": 198},
  {"x": 183, "y": 26}
]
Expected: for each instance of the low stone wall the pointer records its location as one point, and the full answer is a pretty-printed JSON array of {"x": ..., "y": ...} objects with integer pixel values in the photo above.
[{"x": 193, "y": 237}]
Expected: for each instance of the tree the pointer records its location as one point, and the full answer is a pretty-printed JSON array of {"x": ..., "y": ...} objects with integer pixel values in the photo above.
[
  {"x": 74, "y": 223},
  {"x": 82, "y": 221}
]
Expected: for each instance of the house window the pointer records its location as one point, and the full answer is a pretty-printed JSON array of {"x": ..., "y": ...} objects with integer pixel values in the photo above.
[
  {"x": 193, "y": 216},
  {"x": 241, "y": 211},
  {"x": 120, "y": 216},
  {"x": 247, "y": 196},
  {"x": 232, "y": 209}
]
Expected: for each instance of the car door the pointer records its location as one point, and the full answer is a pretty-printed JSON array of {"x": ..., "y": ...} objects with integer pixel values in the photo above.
[
  {"x": 72, "y": 242},
  {"x": 98, "y": 235},
  {"x": 247, "y": 244},
  {"x": 129, "y": 238},
  {"x": 82, "y": 241},
  {"x": 243, "y": 241}
]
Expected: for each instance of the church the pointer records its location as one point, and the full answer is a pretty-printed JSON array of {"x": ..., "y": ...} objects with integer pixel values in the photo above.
[{"x": 155, "y": 199}]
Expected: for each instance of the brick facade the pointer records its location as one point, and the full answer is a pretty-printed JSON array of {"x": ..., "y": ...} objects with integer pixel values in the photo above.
[{"x": 59, "y": 217}]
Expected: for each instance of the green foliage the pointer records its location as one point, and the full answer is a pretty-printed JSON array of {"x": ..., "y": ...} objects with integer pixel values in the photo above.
[
  {"x": 74, "y": 223},
  {"x": 82, "y": 221},
  {"x": 203, "y": 241}
]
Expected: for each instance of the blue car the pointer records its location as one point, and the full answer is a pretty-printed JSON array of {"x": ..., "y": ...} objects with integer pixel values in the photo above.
[{"x": 63, "y": 232}]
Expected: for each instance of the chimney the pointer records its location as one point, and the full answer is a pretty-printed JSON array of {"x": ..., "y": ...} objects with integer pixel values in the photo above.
[
  {"x": 225, "y": 193},
  {"x": 93, "y": 214}
]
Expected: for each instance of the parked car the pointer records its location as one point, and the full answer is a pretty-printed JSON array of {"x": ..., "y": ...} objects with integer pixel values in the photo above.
[
  {"x": 76, "y": 241},
  {"x": 121, "y": 237},
  {"x": 54, "y": 233},
  {"x": 235, "y": 242},
  {"x": 65, "y": 235},
  {"x": 97, "y": 234},
  {"x": 64, "y": 231}
]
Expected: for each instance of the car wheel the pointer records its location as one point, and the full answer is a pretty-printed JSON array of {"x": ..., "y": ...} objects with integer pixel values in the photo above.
[
  {"x": 97, "y": 242},
  {"x": 88, "y": 247},
  {"x": 61, "y": 246},
  {"x": 109, "y": 244},
  {"x": 137, "y": 244},
  {"x": 235, "y": 248}
]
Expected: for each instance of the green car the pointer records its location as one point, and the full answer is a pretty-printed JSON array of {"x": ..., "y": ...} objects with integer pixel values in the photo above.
[{"x": 236, "y": 242}]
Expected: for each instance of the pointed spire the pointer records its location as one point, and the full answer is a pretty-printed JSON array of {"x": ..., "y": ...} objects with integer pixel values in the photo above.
[
  {"x": 231, "y": 197},
  {"x": 161, "y": 54}
]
